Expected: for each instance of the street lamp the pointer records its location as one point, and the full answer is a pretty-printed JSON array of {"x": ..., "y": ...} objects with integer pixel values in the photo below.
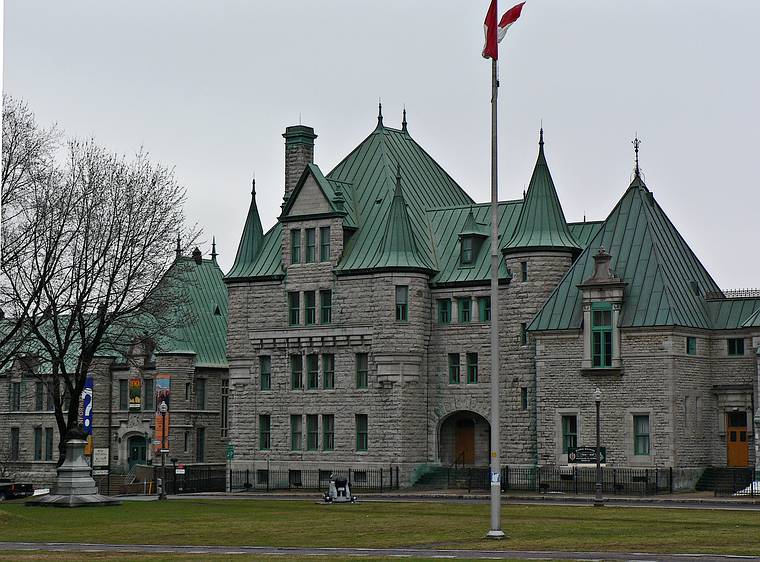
[
  {"x": 598, "y": 498},
  {"x": 162, "y": 409}
]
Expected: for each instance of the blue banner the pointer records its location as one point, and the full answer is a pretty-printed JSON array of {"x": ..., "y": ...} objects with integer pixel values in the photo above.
[{"x": 87, "y": 406}]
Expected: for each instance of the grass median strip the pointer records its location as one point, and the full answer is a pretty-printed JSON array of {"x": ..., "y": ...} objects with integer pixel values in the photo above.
[{"x": 387, "y": 525}]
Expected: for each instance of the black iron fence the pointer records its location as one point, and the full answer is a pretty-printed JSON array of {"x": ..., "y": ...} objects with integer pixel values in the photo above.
[
  {"x": 195, "y": 479},
  {"x": 263, "y": 479},
  {"x": 738, "y": 482}
]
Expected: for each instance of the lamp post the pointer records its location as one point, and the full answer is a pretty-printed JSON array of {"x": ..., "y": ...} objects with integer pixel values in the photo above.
[
  {"x": 162, "y": 409},
  {"x": 598, "y": 498}
]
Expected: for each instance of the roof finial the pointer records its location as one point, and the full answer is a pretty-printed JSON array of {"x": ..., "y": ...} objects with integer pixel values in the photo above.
[
  {"x": 178, "y": 249},
  {"x": 379, "y": 113},
  {"x": 213, "y": 248},
  {"x": 403, "y": 120},
  {"x": 636, "y": 142},
  {"x": 253, "y": 185}
]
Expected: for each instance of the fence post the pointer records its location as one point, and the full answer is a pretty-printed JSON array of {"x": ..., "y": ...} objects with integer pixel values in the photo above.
[
  {"x": 538, "y": 479},
  {"x": 670, "y": 483},
  {"x": 575, "y": 479},
  {"x": 506, "y": 476},
  {"x": 269, "y": 477},
  {"x": 381, "y": 479},
  {"x": 398, "y": 485}
]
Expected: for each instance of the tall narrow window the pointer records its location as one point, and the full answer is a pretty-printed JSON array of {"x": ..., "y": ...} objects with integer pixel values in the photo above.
[
  {"x": 691, "y": 345},
  {"x": 295, "y": 245},
  {"x": 362, "y": 370},
  {"x": 601, "y": 334},
  {"x": 312, "y": 371},
  {"x": 311, "y": 245},
  {"x": 641, "y": 435},
  {"x": 454, "y": 377},
  {"x": 466, "y": 257},
  {"x": 325, "y": 306},
  {"x": 444, "y": 311},
  {"x": 265, "y": 432},
  {"x": 296, "y": 432},
  {"x": 186, "y": 444},
  {"x": 569, "y": 433},
  {"x": 123, "y": 394},
  {"x": 328, "y": 370},
  {"x": 324, "y": 243},
  {"x": 523, "y": 271},
  {"x": 402, "y": 303},
  {"x": 50, "y": 397},
  {"x": 38, "y": 443},
  {"x": 48, "y": 443},
  {"x": 39, "y": 396},
  {"x": 736, "y": 346},
  {"x": 310, "y": 304},
  {"x": 464, "y": 309},
  {"x": 294, "y": 308},
  {"x": 200, "y": 444},
  {"x": 362, "y": 432},
  {"x": 484, "y": 309},
  {"x": 296, "y": 372},
  {"x": 224, "y": 414},
  {"x": 524, "y": 398},
  {"x": 328, "y": 432},
  {"x": 15, "y": 397},
  {"x": 523, "y": 333},
  {"x": 312, "y": 432},
  {"x": 15, "y": 433},
  {"x": 265, "y": 372},
  {"x": 472, "y": 368},
  {"x": 149, "y": 404},
  {"x": 200, "y": 394}
]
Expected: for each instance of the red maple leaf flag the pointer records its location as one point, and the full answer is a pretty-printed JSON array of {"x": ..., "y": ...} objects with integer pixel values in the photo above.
[{"x": 495, "y": 33}]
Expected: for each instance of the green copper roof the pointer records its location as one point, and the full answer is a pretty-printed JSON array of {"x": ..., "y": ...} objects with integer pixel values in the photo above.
[
  {"x": 332, "y": 190},
  {"x": 754, "y": 320},
  {"x": 731, "y": 314},
  {"x": 251, "y": 241},
  {"x": 666, "y": 282},
  {"x": 268, "y": 262},
  {"x": 542, "y": 223},
  {"x": 370, "y": 170},
  {"x": 472, "y": 227}
]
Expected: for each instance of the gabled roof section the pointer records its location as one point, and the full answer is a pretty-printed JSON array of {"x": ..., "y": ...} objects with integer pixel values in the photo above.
[
  {"x": 754, "y": 320},
  {"x": 332, "y": 191},
  {"x": 542, "y": 224},
  {"x": 252, "y": 239},
  {"x": 370, "y": 169},
  {"x": 268, "y": 262},
  {"x": 666, "y": 281},
  {"x": 473, "y": 228}
]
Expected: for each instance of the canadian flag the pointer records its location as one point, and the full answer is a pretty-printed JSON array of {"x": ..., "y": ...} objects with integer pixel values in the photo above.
[{"x": 495, "y": 33}]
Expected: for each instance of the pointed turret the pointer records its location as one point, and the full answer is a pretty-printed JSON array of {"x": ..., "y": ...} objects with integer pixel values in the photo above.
[
  {"x": 542, "y": 224},
  {"x": 252, "y": 238}
]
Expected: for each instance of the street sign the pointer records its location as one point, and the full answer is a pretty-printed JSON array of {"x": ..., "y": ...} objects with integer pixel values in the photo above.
[
  {"x": 586, "y": 455},
  {"x": 180, "y": 469},
  {"x": 100, "y": 472},
  {"x": 230, "y": 452}
]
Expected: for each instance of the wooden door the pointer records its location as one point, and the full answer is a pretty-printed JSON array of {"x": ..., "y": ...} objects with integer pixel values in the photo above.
[
  {"x": 137, "y": 450},
  {"x": 464, "y": 442},
  {"x": 737, "y": 439}
]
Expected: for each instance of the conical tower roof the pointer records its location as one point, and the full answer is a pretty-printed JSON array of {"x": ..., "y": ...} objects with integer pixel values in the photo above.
[
  {"x": 252, "y": 239},
  {"x": 542, "y": 224}
]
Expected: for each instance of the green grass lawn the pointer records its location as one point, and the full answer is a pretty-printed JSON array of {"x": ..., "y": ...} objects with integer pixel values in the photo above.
[{"x": 435, "y": 525}]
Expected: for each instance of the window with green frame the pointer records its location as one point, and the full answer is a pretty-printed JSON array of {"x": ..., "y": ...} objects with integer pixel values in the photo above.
[
  {"x": 362, "y": 432},
  {"x": 444, "y": 311},
  {"x": 311, "y": 245},
  {"x": 736, "y": 346},
  {"x": 472, "y": 368},
  {"x": 310, "y": 307},
  {"x": 569, "y": 432},
  {"x": 312, "y": 371},
  {"x": 402, "y": 303},
  {"x": 454, "y": 372},
  {"x": 265, "y": 432},
  {"x": 325, "y": 306},
  {"x": 691, "y": 345},
  {"x": 601, "y": 335},
  {"x": 641, "y": 435},
  {"x": 295, "y": 245},
  {"x": 467, "y": 255},
  {"x": 296, "y": 433},
  {"x": 464, "y": 309},
  {"x": 328, "y": 432},
  {"x": 296, "y": 372},
  {"x": 362, "y": 370},
  {"x": 294, "y": 308},
  {"x": 484, "y": 309},
  {"x": 328, "y": 370},
  {"x": 324, "y": 243},
  {"x": 312, "y": 432},
  {"x": 265, "y": 372}
]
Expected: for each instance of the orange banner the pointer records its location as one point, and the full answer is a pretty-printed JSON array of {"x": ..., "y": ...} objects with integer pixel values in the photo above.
[{"x": 163, "y": 395}]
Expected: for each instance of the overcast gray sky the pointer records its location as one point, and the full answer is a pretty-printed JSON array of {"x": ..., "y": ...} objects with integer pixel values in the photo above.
[{"x": 209, "y": 86}]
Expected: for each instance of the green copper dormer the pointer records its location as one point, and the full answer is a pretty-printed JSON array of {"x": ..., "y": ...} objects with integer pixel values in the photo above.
[
  {"x": 399, "y": 248},
  {"x": 252, "y": 239},
  {"x": 542, "y": 224},
  {"x": 470, "y": 240},
  {"x": 316, "y": 196}
]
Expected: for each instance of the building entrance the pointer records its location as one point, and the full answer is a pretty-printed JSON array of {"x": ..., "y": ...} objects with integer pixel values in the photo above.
[
  {"x": 137, "y": 450},
  {"x": 464, "y": 439},
  {"x": 737, "y": 441}
]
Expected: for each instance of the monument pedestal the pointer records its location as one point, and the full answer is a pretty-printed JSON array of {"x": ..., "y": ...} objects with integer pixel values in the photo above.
[{"x": 74, "y": 485}]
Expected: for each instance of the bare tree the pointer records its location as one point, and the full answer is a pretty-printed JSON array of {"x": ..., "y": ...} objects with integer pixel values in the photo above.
[{"x": 103, "y": 227}]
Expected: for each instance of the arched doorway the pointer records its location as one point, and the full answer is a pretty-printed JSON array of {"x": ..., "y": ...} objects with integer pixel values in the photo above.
[
  {"x": 464, "y": 439},
  {"x": 137, "y": 449}
]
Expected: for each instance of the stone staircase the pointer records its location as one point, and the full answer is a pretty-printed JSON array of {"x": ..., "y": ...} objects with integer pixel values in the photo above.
[
  {"x": 722, "y": 480},
  {"x": 450, "y": 477}
]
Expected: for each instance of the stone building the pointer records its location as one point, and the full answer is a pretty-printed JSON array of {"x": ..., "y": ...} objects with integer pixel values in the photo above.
[
  {"x": 358, "y": 330},
  {"x": 191, "y": 356}
]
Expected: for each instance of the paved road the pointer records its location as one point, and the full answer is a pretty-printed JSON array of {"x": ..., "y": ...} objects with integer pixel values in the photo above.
[{"x": 375, "y": 552}]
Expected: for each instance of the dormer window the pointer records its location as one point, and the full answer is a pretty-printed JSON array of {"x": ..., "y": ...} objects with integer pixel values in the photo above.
[
  {"x": 467, "y": 254},
  {"x": 601, "y": 335},
  {"x": 470, "y": 240}
]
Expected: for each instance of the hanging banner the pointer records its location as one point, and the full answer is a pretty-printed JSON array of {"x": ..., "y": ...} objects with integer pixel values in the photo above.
[
  {"x": 163, "y": 394},
  {"x": 135, "y": 394},
  {"x": 85, "y": 405}
]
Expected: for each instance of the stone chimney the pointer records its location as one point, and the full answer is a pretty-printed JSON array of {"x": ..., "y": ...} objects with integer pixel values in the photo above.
[{"x": 299, "y": 151}]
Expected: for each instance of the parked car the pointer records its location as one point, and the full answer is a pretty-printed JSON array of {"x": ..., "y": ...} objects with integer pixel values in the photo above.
[{"x": 10, "y": 490}]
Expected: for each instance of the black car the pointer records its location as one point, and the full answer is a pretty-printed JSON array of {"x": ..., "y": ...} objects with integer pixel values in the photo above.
[{"x": 11, "y": 490}]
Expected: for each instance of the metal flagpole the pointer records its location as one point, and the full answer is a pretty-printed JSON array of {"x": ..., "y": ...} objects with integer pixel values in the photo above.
[{"x": 495, "y": 532}]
